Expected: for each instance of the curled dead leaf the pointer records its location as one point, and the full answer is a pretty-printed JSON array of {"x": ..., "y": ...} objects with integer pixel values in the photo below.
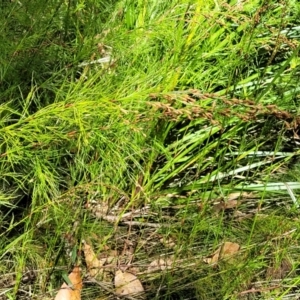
[{"x": 73, "y": 292}]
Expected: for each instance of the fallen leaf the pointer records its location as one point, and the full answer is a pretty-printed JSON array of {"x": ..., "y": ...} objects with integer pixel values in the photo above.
[
  {"x": 94, "y": 265},
  {"x": 229, "y": 249},
  {"x": 127, "y": 284},
  {"x": 225, "y": 251},
  {"x": 73, "y": 292},
  {"x": 100, "y": 268}
]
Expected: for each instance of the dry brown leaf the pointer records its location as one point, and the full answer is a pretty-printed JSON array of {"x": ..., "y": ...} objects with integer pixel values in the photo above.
[
  {"x": 228, "y": 249},
  {"x": 100, "y": 268},
  {"x": 71, "y": 292},
  {"x": 127, "y": 284},
  {"x": 94, "y": 265}
]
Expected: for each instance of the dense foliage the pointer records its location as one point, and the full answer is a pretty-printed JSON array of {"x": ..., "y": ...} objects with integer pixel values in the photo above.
[{"x": 170, "y": 106}]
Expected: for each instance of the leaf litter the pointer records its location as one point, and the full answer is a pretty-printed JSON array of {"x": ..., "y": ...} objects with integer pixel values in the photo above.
[
  {"x": 116, "y": 267},
  {"x": 99, "y": 268},
  {"x": 125, "y": 282},
  {"x": 71, "y": 291}
]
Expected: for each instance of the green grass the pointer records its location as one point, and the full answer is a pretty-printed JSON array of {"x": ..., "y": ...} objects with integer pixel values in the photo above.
[{"x": 198, "y": 100}]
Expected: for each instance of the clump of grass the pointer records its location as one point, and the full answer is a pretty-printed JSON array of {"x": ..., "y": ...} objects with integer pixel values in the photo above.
[{"x": 195, "y": 101}]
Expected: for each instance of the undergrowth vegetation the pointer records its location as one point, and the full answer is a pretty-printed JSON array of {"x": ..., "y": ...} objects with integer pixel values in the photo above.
[{"x": 155, "y": 129}]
